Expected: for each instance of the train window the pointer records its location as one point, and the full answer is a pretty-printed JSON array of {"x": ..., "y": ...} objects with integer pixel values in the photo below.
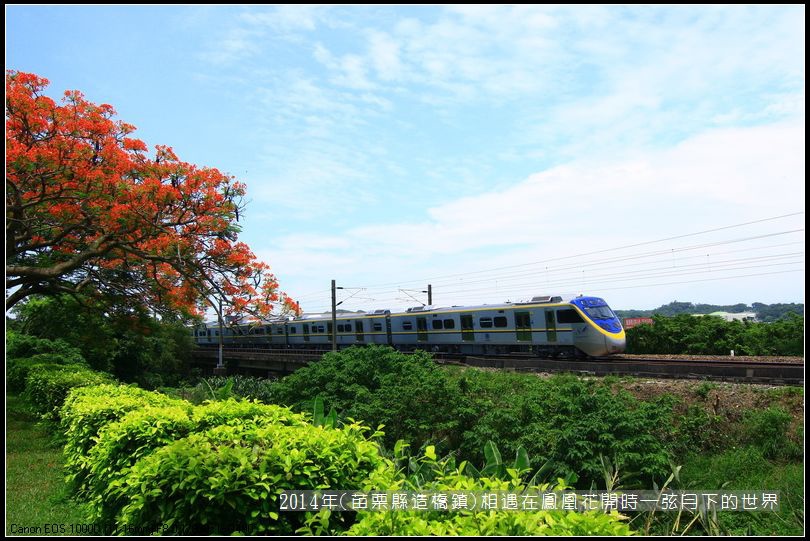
[
  {"x": 437, "y": 324},
  {"x": 407, "y": 325},
  {"x": 449, "y": 324},
  {"x": 292, "y": 330},
  {"x": 280, "y": 330},
  {"x": 485, "y": 322},
  {"x": 378, "y": 326},
  {"x": 568, "y": 316},
  {"x": 500, "y": 321}
]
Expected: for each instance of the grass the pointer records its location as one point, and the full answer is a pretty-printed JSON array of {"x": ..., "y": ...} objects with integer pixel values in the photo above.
[
  {"x": 747, "y": 469},
  {"x": 37, "y": 498}
]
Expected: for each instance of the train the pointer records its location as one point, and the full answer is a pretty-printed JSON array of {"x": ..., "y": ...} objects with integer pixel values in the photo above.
[{"x": 545, "y": 326}]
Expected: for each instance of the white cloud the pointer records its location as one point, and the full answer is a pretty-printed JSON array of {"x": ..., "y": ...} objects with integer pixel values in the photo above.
[
  {"x": 385, "y": 55},
  {"x": 717, "y": 178}
]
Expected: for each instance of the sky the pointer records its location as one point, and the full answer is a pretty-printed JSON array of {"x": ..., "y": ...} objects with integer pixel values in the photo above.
[{"x": 641, "y": 154}]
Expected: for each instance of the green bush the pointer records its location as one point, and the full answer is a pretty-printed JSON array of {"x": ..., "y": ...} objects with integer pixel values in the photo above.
[
  {"x": 769, "y": 430},
  {"x": 446, "y": 477},
  {"x": 708, "y": 335},
  {"x": 131, "y": 344},
  {"x": 140, "y": 432},
  {"x": 699, "y": 431},
  {"x": 122, "y": 443},
  {"x": 17, "y": 369},
  {"x": 232, "y": 411},
  {"x": 228, "y": 479},
  {"x": 87, "y": 409},
  {"x": 19, "y": 345},
  {"x": 567, "y": 423},
  {"x": 47, "y": 386},
  {"x": 409, "y": 394}
]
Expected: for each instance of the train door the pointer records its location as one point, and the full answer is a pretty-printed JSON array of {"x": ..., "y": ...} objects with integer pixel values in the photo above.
[
  {"x": 523, "y": 326},
  {"x": 467, "y": 332},
  {"x": 306, "y": 332},
  {"x": 388, "y": 330},
  {"x": 358, "y": 330},
  {"x": 421, "y": 329},
  {"x": 551, "y": 326}
]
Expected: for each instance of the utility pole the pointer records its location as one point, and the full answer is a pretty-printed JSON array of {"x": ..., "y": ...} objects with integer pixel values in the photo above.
[
  {"x": 220, "y": 369},
  {"x": 334, "y": 317},
  {"x": 430, "y": 295}
]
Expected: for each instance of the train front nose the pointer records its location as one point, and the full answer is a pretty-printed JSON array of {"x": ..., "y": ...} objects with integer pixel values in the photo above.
[{"x": 615, "y": 345}]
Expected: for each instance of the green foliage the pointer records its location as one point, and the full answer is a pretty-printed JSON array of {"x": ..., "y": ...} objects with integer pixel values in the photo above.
[
  {"x": 24, "y": 351},
  {"x": 567, "y": 423},
  {"x": 87, "y": 410},
  {"x": 745, "y": 469},
  {"x": 231, "y": 411},
  {"x": 562, "y": 421},
  {"x": 769, "y": 430},
  {"x": 133, "y": 346},
  {"x": 319, "y": 419},
  {"x": 685, "y": 334},
  {"x": 699, "y": 431},
  {"x": 20, "y": 345},
  {"x": 122, "y": 443},
  {"x": 228, "y": 478},
  {"x": 47, "y": 386},
  {"x": 775, "y": 312},
  {"x": 445, "y": 476},
  {"x": 141, "y": 431},
  {"x": 704, "y": 389},
  {"x": 409, "y": 394},
  {"x": 237, "y": 386},
  {"x": 17, "y": 370}
]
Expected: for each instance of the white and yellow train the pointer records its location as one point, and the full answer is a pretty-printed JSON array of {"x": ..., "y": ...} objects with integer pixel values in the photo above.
[{"x": 544, "y": 326}]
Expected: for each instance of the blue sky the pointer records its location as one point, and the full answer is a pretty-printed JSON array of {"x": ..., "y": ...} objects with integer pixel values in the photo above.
[{"x": 471, "y": 147}]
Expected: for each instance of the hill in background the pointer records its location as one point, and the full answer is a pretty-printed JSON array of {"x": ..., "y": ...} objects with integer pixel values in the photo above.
[{"x": 765, "y": 312}]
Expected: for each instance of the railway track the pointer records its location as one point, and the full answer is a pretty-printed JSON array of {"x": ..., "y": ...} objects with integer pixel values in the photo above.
[{"x": 693, "y": 367}]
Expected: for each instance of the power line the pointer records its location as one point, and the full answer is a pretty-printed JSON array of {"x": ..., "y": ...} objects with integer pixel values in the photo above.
[{"x": 635, "y": 245}]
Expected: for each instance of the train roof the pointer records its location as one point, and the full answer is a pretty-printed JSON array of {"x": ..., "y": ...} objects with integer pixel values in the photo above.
[
  {"x": 537, "y": 300},
  {"x": 343, "y": 315}
]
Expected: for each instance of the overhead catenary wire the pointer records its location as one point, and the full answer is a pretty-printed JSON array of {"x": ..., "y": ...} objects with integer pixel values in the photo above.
[{"x": 433, "y": 279}]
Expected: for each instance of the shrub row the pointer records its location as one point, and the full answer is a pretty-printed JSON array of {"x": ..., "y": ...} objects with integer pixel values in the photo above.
[
  {"x": 25, "y": 352},
  {"x": 154, "y": 463},
  {"x": 47, "y": 386}
]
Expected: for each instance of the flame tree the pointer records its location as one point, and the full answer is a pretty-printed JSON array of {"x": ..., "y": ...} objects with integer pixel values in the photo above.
[{"x": 91, "y": 213}]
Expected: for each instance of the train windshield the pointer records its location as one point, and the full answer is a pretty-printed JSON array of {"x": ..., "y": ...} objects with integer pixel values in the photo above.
[{"x": 600, "y": 312}]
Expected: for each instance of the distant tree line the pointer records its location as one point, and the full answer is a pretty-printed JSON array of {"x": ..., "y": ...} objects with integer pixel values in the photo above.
[{"x": 764, "y": 312}]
